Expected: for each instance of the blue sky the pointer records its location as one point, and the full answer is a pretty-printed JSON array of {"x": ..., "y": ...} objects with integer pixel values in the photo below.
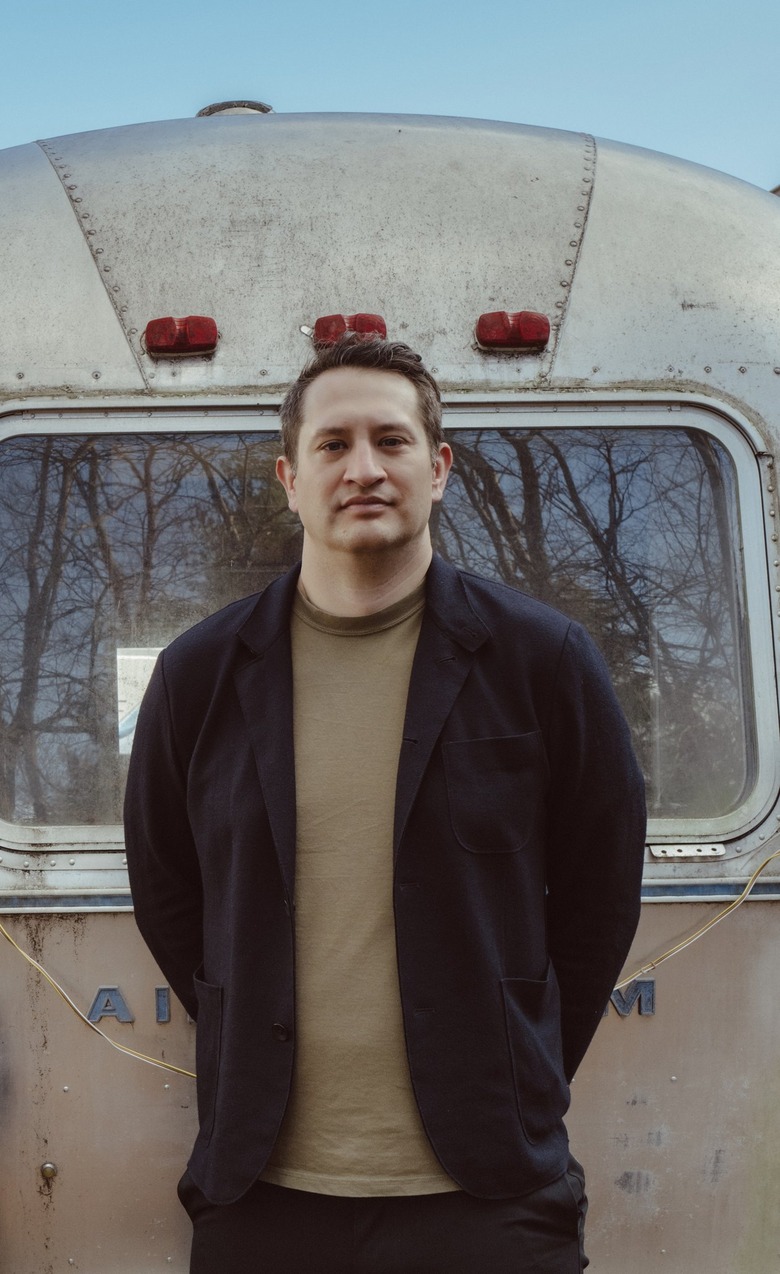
[{"x": 696, "y": 78}]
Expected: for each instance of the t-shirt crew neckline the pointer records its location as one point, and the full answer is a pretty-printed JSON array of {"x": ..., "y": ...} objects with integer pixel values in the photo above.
[{"x": 359, "y": 625}]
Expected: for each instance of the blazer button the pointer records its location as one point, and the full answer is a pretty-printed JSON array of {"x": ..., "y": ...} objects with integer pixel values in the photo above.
[{"x": 280, "y": 1031}]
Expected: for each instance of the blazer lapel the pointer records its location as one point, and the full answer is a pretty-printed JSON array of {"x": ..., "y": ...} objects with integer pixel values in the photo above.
[
  {"x": 265, "y": 691},
  {"x": 451, "y": 633}
]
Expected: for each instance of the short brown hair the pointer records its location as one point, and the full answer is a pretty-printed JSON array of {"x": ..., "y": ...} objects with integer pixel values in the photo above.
[{"x": 354, "y": 350}]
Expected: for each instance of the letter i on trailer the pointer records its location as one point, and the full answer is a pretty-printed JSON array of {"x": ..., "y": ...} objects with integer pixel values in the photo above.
[{"x": 604, "y": 324}]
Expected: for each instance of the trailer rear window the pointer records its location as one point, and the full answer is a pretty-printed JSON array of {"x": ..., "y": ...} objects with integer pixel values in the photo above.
[{"x": 112, "y": 543}]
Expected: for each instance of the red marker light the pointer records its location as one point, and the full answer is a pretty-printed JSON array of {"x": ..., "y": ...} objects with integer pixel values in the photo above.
[
  {"x": 501, "y": 330},
  {"x": 332, "y": 326},
  {"x": 172, "y": 337}
]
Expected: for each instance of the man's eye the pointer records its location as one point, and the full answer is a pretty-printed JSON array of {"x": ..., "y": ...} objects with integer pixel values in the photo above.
[
  {"x": 333, "y": 444},
  {"x": 392, "y": 442}
]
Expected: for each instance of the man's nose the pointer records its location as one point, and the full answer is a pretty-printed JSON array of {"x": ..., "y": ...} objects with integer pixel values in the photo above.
[{"x": 364, "y": 465}]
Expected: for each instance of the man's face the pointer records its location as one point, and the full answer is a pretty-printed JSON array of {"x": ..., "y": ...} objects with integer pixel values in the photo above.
[{"x": 364, "y": 481}]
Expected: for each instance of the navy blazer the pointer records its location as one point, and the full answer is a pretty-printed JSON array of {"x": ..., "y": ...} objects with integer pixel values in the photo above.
[{"x": 518, "y": 841}]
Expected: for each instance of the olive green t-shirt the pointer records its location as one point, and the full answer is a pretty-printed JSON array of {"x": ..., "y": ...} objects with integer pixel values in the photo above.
[{"x": 352, "y": 1126}]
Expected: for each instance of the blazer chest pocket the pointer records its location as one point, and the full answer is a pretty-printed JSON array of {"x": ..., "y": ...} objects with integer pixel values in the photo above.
[{"x": 495, "y": 791}]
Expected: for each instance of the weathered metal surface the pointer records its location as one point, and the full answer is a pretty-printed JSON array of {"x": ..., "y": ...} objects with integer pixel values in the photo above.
[
  {"x": 59, "y": 331},
  {"x": 677, "y": 283},
  {"x": 117, "y": 1129},
  {"x": 266, "y": 222},
  {"x": 676, "y": 1111},
  {"x": 677, "y": 1115}
]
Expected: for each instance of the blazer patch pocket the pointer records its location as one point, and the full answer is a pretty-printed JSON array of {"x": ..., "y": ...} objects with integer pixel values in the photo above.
[
  {"x": 533, "y": 1027},
  {"x": 495, "y": 790},
  {"x": 208, "y": 1041}
]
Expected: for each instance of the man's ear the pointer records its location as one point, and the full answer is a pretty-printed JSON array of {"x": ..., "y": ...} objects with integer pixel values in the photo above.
[
  {"x": 441, "y": 468},
  {"x": 286, "y": 475}
]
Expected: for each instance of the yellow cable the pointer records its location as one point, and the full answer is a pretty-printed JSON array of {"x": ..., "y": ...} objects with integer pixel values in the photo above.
[
  {"x": 122, "y": 1048},
  {"x": 710, "y": 924},
  {"x": 180, "y": 1070}
]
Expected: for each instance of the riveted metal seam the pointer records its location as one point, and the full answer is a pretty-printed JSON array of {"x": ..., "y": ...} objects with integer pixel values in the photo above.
[
  {"x": 579, "y": 223},
  {"x": 64, "y": 174}
]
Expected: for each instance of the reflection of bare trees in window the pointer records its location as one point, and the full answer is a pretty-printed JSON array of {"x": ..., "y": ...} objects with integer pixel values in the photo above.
[
  {"x": 631, "y": 532},
  {"x": 111, "y": 542},
  {"x": 124, "y": 541}
]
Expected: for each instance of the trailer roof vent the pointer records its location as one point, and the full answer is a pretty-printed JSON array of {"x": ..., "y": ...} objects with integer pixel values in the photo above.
[{"x": 236, "y": 108}]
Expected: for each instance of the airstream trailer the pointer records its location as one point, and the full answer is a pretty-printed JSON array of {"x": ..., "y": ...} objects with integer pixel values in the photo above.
[{"x": 615, "y": 455}]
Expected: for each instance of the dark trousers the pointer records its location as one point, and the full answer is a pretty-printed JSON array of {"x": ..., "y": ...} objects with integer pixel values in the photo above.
[{"x": 273, "y": 1230}]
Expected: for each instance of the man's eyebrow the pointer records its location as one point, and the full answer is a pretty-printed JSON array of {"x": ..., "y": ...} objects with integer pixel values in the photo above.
[{"x": 327, "y": 431}]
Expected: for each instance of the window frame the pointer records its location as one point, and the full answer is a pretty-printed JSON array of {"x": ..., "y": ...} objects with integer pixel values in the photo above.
[{"x": 86, "y": 862}]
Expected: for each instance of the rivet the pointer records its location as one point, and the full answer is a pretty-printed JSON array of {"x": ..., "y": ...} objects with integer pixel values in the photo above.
[
  {"x": 673, "y": 1079},
  {"x": 133, "y": 331},
  {"x": 98, "y": 251},
  {"x": 70, "y": 187},
  {"x": 166, "y": 1085},
  {"x": 708, "y": 369},
  {"x": 578, "y": 225},
  {"x": 26, "y": 862},
  {"x": 568, "y": 262},
  {"x": 78, "y": 199},
  {"x": 564, "y": 283},
  {"x": 20, "y": 375},
  {"x": 743, "y": 369},
  {"x": 106, "y": 269},
  {"x": 52, "y": 862},
  {"x": 65, "y": 1089},
  {"x": 72, "y": 862},
  {"x": 580, "y": 207},
  {"x": 777, "y": 371},
  {"x": 595, "y": 369},
  {"x": 761, "y": 835},
  {"x": 116, "y": 288},
  {"x": 771, "y": 513},
  {"x": 573, "y": 243},
  {"x": 559, "y": 305}
]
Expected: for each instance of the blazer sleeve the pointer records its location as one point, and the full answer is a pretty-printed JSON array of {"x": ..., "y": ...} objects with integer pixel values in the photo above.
[
  {"x": 161, "y": 857},
  {"x": 596, "y": 838}
]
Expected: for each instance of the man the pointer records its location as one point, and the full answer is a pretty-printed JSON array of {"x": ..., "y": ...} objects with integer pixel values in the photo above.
[{"x": 384, "y": 831}]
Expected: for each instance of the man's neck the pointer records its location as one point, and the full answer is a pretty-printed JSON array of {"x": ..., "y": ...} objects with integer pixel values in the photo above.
[{"x": 362, "y": 584}]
